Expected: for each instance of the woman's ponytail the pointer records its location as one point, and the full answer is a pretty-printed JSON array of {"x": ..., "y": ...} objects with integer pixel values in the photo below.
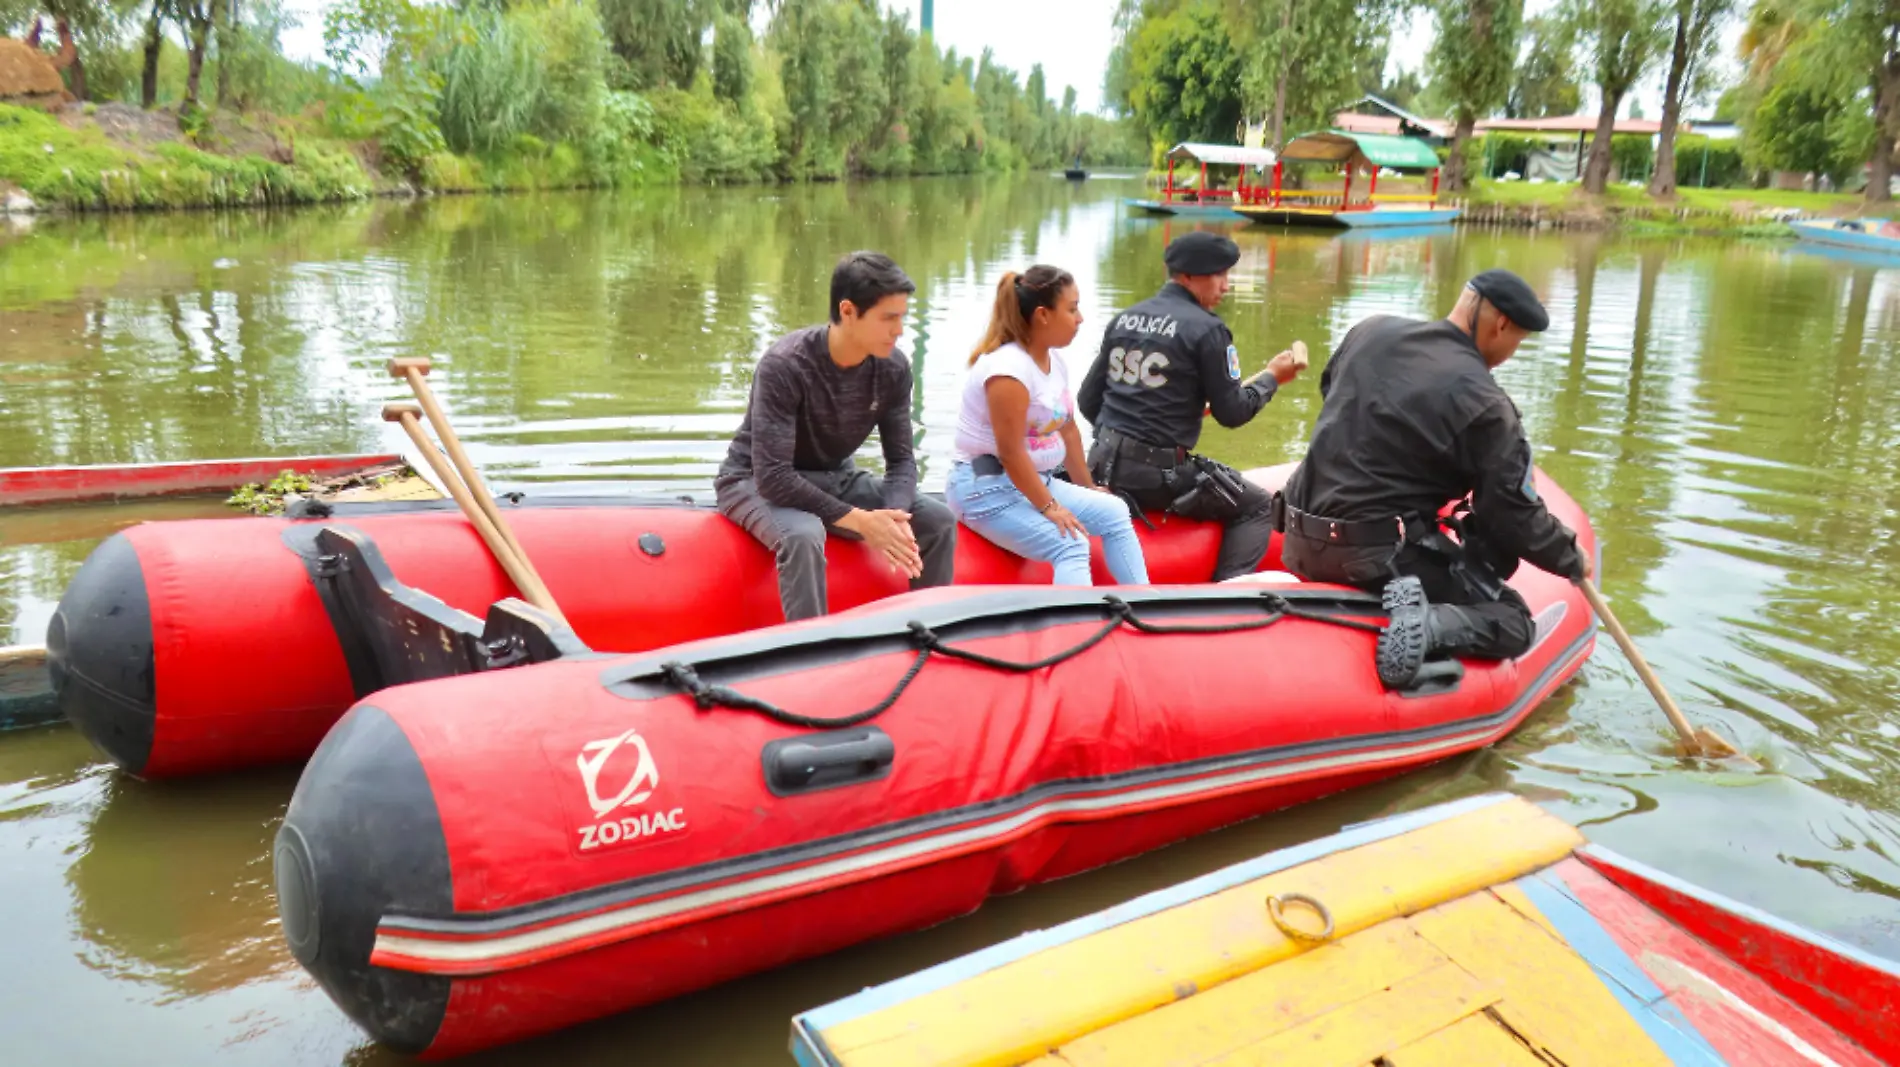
[{"x": 1017, "y": 298}]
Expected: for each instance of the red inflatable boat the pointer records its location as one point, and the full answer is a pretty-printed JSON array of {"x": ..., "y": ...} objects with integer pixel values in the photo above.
[
  {"x": 474, "y": 860},
  {"x": 199, "y": 646}
]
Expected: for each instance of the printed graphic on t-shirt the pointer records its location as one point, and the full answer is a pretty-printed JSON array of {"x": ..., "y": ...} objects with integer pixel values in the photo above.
[{"x": 1045, "y": 425}]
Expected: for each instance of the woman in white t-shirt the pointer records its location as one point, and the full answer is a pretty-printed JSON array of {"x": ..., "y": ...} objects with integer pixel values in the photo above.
[{"x": 1016, "y": 425}]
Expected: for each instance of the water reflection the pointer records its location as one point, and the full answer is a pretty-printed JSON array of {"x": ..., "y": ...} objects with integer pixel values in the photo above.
[
  {"x": 1726, "y": 411},
  {"x": 174, "y": 887}
]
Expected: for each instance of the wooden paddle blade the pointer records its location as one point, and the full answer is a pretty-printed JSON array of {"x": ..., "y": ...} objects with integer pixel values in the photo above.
[
  {"x": 399, "y": 368},
  {"x": 1714, "y": 745},
  {"x": 1707, "y": 744}
]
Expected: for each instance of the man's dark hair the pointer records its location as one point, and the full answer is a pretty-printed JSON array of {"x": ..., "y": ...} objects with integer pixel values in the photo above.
[{"x": 864, "y": 278}]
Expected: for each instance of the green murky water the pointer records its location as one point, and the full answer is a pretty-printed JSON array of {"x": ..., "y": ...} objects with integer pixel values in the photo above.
[{"x": 1728, "y": 412}]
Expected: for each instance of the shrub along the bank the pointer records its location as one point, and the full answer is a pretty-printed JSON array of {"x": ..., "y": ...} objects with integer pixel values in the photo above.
[{"x": 82, "y": 170}]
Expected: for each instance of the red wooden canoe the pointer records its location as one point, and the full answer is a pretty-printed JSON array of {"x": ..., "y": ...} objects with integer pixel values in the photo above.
[{"x": 127, "y": 481}]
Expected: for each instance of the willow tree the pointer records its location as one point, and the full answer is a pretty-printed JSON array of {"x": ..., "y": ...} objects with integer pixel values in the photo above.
[
  {"x": 1184, "y": 75},
  {"x": 1471, "y": 61},
  {"x": 1546, "y": 81},
  {"x": 1302, "y": 56},
  {"x": 1697, "y": 24},
  {"x": 1623, "y": 39},
  {"x": 1861, "y": 38}
]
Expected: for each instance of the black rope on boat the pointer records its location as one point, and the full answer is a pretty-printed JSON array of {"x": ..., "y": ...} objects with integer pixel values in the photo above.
[{"x": 708, "y": 696}]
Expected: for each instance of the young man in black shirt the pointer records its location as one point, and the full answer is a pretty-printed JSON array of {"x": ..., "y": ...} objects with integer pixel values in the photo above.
[{"x": 816, "y": 396}]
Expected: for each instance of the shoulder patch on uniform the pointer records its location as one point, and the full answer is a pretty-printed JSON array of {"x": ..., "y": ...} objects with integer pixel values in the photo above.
[
  {"x": 1233, "y": 362},
  {"x": 1529, "y": 488}
]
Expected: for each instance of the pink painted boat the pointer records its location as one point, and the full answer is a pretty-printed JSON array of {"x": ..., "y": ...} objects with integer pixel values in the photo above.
[{"x": 20, "y": 486}]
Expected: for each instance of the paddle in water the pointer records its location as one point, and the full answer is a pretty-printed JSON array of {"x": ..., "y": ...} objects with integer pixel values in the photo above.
[{"x": 1694, "y": 742}]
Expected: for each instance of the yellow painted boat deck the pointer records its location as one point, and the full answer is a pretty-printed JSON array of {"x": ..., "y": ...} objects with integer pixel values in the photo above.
[{"x": 1460, "y": 939}]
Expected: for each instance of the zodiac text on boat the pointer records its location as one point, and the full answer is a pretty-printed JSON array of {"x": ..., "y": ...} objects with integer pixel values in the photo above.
[{"x": 595, "y": 757}]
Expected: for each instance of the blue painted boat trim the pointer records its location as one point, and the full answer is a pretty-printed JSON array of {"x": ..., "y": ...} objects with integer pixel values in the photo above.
[
  {"x": 1821, "y": 233},
  {"x": 1633, "y": 988},
  {"x": 1740, "y": 910},
  {"x": 815, "y": 1022},
  {"x": 1380, "y": 220},
  {"x": 1204, "y": 211}
]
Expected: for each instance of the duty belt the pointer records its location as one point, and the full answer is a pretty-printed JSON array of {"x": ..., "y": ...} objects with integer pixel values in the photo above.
[
  {"x": 1342, "y": 532},
  {"x": 1141, "y": 451}
]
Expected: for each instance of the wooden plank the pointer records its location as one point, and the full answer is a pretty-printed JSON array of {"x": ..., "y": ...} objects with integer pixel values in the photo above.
[
  {"x": 1514, "y": 897},
  {"x": 123, "y": 481},
  {"x": 1476, "y": 1041},
  {"x": 1554, "y": 999},
  {"x": 1372, "y": 1027},
  {"x": 1025, "y": 1007},
  {"x": 1257, "y": 1006}
]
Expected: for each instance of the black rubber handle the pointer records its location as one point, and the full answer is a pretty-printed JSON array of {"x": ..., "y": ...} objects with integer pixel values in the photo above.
[{"x": 812, "y": 762}]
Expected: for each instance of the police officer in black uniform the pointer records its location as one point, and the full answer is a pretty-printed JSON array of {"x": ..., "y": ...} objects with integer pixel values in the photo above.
[
  {"x": 1164, "y": 364},
  {"x": 1413, "y": 420}
]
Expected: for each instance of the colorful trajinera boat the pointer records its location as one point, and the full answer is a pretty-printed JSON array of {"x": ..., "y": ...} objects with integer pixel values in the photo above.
[
  {"x": 1480, "y": 933},
  {"x": 1355, "y": 154},
  {"x": 473, "y": 860},
  {"x": 1877, "y": 238}
]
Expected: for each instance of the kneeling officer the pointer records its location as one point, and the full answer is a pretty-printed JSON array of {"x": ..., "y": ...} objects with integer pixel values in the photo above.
[
  {"x": 1165, "y": 363},
  {"x": 1413, "y": 419}
]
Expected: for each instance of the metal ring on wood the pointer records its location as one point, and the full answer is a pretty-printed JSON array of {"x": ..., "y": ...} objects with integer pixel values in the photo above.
[{"x": 1274, "y": 906}]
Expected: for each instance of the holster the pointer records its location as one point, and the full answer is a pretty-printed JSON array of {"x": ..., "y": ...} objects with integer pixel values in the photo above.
[
  {"x": 1203, "y": 489},
  {"x": 1468, "y": 560}
]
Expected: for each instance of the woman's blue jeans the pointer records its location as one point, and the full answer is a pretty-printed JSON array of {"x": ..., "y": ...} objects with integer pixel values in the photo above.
[{"x": 992, "y": 506}]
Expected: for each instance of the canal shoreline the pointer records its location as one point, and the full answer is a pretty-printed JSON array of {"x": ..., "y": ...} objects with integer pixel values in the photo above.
[
  {"x": 1684, "y": 219},
  {"x": 117, "y": 160}
]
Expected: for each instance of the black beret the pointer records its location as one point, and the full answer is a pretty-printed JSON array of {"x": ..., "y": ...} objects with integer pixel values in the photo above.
[
  {"x": 1200, "y": 252},
  {"x": 1513, "y": 296}
]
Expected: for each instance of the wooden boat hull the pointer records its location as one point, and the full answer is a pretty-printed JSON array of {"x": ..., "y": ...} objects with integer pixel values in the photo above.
[
  {"x": 20, "y": 486},
  {"x": 1189, "y": 211},
  {"x": 1380, "y": 219},
  {"x": 26, "y": 690},
  {"x": 1830, "y": 234},
  {"x": 1484, "y": 931}
]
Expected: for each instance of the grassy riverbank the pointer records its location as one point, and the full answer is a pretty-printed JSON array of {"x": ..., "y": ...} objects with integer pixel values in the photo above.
[
  {"x": 1727, "y": 212},
  {"x": 119, "y": 158}
]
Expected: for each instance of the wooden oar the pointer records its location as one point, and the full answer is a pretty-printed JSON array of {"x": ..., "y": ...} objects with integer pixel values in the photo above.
[
  {"x": 512, "y": 563},
  {"x": 1695, "y": 742},
  {"x": 412, "y": 370}
]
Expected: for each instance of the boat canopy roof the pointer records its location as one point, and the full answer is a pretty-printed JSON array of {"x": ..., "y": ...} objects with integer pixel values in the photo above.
[
  {"x": 1380, "y": 149},
  {"x": 1233, "y": 154}
]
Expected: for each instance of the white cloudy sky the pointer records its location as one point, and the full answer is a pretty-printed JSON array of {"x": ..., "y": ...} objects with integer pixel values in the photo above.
[{"x": 1071, "y": 39}]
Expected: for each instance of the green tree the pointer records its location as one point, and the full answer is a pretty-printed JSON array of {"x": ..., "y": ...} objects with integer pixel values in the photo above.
[
  {"x": 1861, "y": 39},
  {"x": 658, "y": 40},
  {"x": 1546, "y": 80},
  {"x": 1185, "y": 75},
  {"x": 1302, "y": 57},
  {"x": 1623, "y": 39},
  {"x": 732, "y": 57},
  {"x": 1811, "y": 118},
  {"x": 1472, "y": 58},
  {"x": 74, "y": 23},
  {"x": 1697, "y": 24}
]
